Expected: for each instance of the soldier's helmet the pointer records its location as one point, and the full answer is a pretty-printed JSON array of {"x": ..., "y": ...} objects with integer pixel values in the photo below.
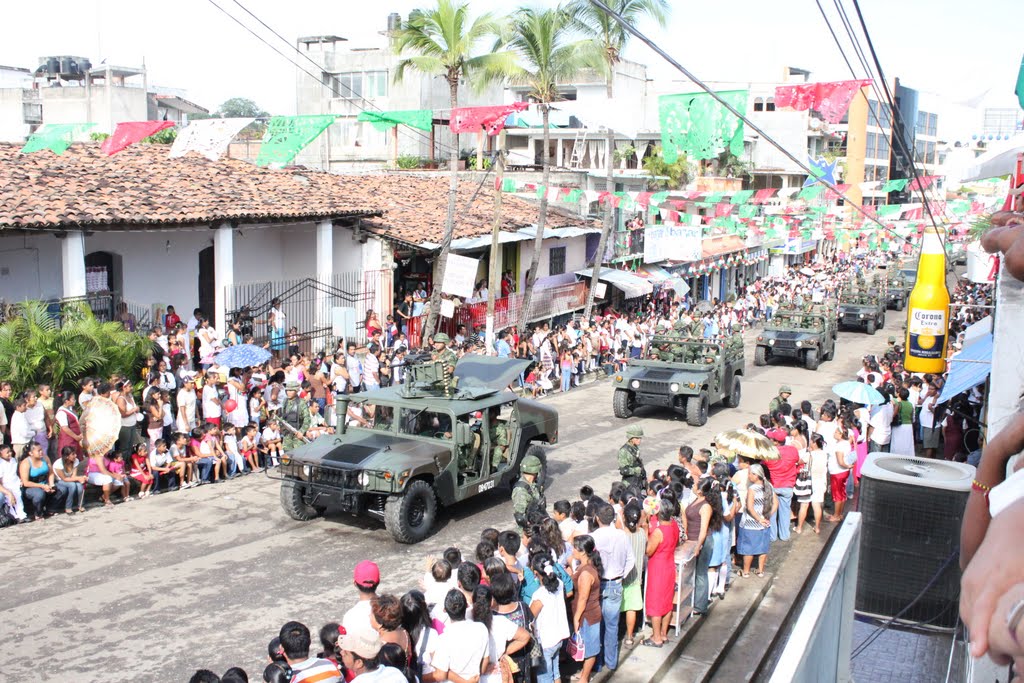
[
  {"x": 441, "y": 338},
  {"x": 531, "y": 465},
  {"x": 634, "y": 432},
  {"x": 784, "y": 389}
]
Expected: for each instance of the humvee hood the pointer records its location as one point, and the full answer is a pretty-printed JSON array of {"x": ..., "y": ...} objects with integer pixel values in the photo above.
[
  {"x": 790, "y": 335},
  {"x": 359, "y": 450}
]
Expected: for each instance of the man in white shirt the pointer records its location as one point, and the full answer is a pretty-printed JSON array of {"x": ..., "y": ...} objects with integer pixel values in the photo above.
[
  {"x": 618, "y": 560},
  {"x": 465, "y": 645},
  {"x": 371, "y": 368},
  {"x": 354, "y": 367},
  {"x": 186, "y": 418},
  {"x": 880, "y": 428},
  {"x": 366, "y": 577}
]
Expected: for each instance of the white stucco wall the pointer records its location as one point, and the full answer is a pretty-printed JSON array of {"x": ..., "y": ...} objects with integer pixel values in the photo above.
[
  {"x": 575, "y": 256},
  {"x": 29, "y": 267}
]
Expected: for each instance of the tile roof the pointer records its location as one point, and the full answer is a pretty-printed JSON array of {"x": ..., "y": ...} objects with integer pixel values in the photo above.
[
  {"x": 143, "y": 187},
  {"x": 416, "y": 205}
]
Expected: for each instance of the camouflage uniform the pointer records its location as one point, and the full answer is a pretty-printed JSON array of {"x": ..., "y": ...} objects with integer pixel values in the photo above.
[
  {"x": 525, "y": 495},
  {"x": 294, "y": 412},
  {"x": 499, "y": 444},
  {"x": 631, "y": 467}
]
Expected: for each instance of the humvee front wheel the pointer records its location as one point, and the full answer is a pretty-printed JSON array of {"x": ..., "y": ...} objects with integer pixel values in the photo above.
[
  {"x": 811, "y": 361},
  {"x": 410, "y": 516},
  {"x": 622, "y": 403},
  {"x": 294, "y": 504},
  {"x": 900, "y": 305},
  {"x": 697, "y": 409},
  {"x": 733, "y": 399},
  {"x": 760, "y": 356},
  {"x": 871, "y": 326}
]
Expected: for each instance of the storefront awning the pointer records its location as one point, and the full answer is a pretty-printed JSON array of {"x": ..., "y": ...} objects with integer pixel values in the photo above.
[
  {"x": 655, "y": 274},
  {"x": 626, "y": 282},
  {"x": 969, "y": 368}
]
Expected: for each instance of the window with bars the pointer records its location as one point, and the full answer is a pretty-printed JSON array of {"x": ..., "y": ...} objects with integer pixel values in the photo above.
[{"x": 556, "y": 261}]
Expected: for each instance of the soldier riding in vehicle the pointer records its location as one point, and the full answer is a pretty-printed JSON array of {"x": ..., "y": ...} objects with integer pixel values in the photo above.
[{"x": 807, "y": 334}]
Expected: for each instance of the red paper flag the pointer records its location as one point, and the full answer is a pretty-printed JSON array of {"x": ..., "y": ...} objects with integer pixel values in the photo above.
[
  {"x": 129, "y": 132},
  {"x": 679, "y": 204},
  {"x": 831, "y": 99},
  {"x": 832, "y": 194},
  {"x": 925, "y": 181},
  {"x": 644, "y": 198},
  {"x": 492, "y": 119},
  {"x": 723, "y": 209},
  {"x": 761, "y": 196}
]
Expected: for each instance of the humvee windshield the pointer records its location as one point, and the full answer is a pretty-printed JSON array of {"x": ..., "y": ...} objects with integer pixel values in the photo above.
[
  {"x": 367, "y": 415},
  {"x": 798, "y": 321},
  {"x": 687, "y": 351},
  {"x": 423, "y": 422}
]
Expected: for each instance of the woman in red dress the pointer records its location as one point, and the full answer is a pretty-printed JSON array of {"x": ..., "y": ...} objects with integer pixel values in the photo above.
[{"x": 661, "y": 573}]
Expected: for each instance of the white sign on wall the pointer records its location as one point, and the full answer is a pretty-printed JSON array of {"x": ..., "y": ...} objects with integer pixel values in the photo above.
[
  {"x": 600, "y": 289},
  {"x": 447, "y": 308},
  {"x": 672, "y": 243},
  {"x": 459, "y": 276}
]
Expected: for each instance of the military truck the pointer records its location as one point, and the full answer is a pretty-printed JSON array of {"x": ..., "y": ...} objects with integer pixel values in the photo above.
[
  {"x": 686, "y": 374},
  {"x": 419, "y": 446},
  {"x": 863, "y": 310},
  {"x": 898, "y": 287},
  {"x": 808, "y": 336}
]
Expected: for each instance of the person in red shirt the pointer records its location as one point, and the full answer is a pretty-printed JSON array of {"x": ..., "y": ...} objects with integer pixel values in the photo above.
[
  {"x": 783, "y": 477},
  {"x": 171, "y": 319}
]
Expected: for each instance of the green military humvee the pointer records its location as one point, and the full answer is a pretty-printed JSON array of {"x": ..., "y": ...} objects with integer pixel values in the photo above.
[
  {"x": 806, "y": 335},
  {"x": 406, "y": 464},
  {"x": 688, "y": 375},
  {"x": 863, "y": 308}
]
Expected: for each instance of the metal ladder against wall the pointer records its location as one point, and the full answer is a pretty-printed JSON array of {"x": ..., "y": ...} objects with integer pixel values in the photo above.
[{"x": 579, "y": 147}]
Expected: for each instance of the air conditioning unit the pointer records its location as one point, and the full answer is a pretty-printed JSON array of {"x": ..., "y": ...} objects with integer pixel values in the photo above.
[{"x": 911, "y": 511}]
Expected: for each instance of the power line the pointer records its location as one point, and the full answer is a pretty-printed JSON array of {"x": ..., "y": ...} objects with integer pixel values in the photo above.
[
  {"x": 731, "y": 109},
  {"x": 318, "y": 79}
]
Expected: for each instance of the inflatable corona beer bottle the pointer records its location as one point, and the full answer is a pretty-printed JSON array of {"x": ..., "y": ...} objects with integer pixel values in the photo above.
[{"x": 928, "y": 310}]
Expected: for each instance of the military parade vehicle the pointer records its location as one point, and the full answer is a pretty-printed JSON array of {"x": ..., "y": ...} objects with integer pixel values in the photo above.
[
  {"x": 686, "y": 374},
  {"x": 862, "y": 306},
  {"x": 806, "y": 334},
  {"x": 897, "y": 286},
  {"x": 408, "y": 450}
]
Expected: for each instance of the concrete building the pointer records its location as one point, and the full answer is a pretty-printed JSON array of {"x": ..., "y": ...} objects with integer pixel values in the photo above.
[
  {"x": 352, "y": 76},
  {"x": 70, "y": 89}
]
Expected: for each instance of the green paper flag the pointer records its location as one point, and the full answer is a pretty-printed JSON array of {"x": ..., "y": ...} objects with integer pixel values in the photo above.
[
  {"x": 742, "y": 197},
  {"x": 423, "y": 119},
  {"x": 56, "y": 137},
  {"x": 695, "y": 124},
  {"x": 541, "y": 191},
  {"x": 748, "y": 211},
  {"x": 895, "y": 185},
  {"x": 574, "y": 196},
  {"x": 771, "y": 233},
  {"x": 960, "y": 207},
  {"x": 508, "y": 185},
  {"x": 889, "y": 210},
  {"x": 658, "y": 198},
  {"x": 714, "y": 198},
  {"x": 811, "y": 192},
  {"x": 286, "y": 136}
]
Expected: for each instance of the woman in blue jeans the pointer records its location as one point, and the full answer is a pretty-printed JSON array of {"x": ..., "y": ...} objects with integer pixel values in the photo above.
[
  {"x": 38, "y": 483},
  {"x": 70, "y": 482},
  {"x": 586, "y": 601},
  {"x": 550, "y": 621}
]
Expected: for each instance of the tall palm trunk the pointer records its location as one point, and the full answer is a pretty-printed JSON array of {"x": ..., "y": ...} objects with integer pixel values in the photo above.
[
  {"x": 538, "y": 241},
  {"x": 609, "y": 214},
  {"x": 449, "y": 226}
]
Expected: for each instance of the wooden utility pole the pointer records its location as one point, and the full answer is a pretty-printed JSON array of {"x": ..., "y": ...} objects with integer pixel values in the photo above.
[
  {"x": 494, "y": 276},
  {"x": 606, "y": 230}
]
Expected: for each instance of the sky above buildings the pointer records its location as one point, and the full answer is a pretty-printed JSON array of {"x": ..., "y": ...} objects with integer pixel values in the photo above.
[{"x": 955, "y": 50}]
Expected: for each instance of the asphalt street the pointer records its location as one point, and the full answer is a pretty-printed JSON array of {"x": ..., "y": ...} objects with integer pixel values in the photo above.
[{"x": 151, "y": 590}]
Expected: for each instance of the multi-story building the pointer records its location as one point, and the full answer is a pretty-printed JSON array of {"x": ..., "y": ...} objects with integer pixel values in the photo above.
[
  {"x": 917, "y": 127},
  {"x": 336, "y": 76},
  {"x": 69, "y": 89},
  {"x": 863, "y": 146}
]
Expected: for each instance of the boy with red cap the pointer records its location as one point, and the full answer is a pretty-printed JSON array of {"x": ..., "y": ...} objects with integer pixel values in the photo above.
[{"x": 366, "y": 577}]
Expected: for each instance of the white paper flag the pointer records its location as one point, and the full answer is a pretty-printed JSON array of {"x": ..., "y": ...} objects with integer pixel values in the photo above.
[{"x": 209, "y": 137}]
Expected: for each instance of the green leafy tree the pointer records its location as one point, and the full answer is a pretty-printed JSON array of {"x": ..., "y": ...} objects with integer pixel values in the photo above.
[
  {"x": 546, "y": 58},
  {"x": 610, "y": 38},
  {"x": 663, "y": 174},
  {"x": 35, "y": 348},
  {"x": 443, "y": 41},
  {"x": 241, "y": 108}
]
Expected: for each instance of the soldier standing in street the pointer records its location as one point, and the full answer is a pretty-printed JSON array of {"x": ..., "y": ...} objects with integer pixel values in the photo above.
[
  {"x": 784, "y": 393},
  {"x": 631, "y": 467},
  {"x": 295, "y": 414},
  {"x": 528, "y": 493}
]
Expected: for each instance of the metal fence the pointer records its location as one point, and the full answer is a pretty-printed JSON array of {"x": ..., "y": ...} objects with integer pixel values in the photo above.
[
  {"x": 307, "y": 305},
  {"x": 105, "y": 307},
  {"x": 546, "y": 303}
]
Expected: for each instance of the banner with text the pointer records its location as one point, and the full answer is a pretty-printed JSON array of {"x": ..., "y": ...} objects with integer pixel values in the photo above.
[
  {"x": 672, "y": 243},
  {"x": 459, "y": 275}
]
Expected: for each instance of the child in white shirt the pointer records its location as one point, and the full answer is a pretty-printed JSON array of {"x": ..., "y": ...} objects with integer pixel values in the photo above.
[
  {"x": 231, "y": 450},
  {"x": 272, "y": 442}
]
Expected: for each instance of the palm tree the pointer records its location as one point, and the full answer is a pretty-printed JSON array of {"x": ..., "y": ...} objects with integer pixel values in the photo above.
[
  {"x": 611, "y": 38},
  {"x": 539, "y": 38},
  {"x": 441, "y": 41}
]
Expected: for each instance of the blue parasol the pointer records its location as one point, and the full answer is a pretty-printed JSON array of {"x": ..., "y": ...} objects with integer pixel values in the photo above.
[
  {"x": 859, "y": 392},
  {"x": 242, "y": 356}
]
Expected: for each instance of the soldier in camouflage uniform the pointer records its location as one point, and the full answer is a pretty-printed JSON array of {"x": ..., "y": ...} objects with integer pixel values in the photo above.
[
  {"x": 784, "y": 393},
  {"x": 498, "y": 433},
  {"x": 735, "y": 342},
  {"x": 528, "y": 493},
  {"x": 631, "y": 467},
  {"x": 444, "y": 355},
  {"x": 294, "y": 413}
]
